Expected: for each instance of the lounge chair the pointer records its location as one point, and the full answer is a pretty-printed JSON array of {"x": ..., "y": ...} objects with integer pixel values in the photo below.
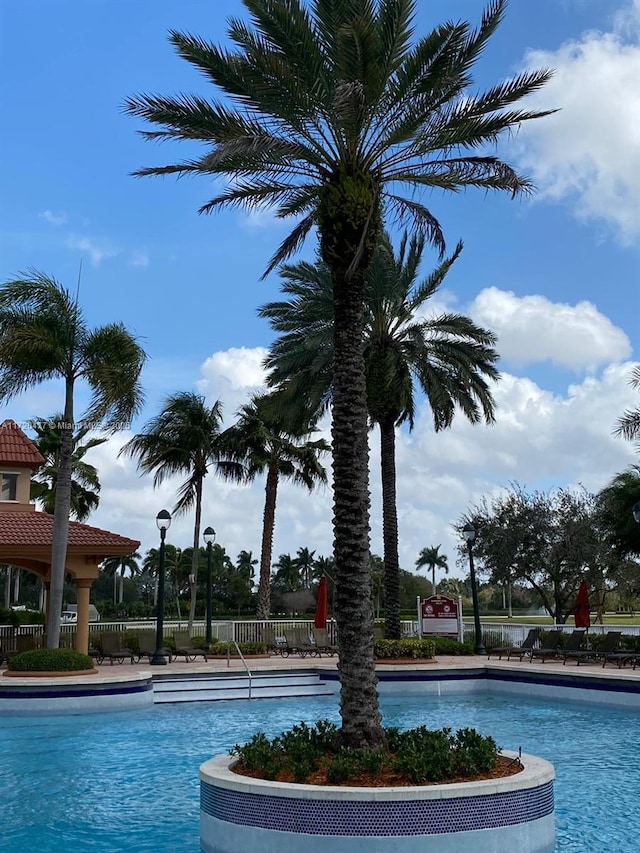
[
  {"x": 522, "y": 650},
  {"x": 299, "y": 643},
  {"x": 621, "y": 657},
  {"x": 112, "y": 648},
  {"x": 608, "y": 645},
  {"x": 575, "y": 643},
  {"x": 323, "y": 642},
  {"x": 185, "y": 647},
  {"x": 23, "y": 643},
  {"x": 551, "y": 648},
  {"x": 146, "y": 644},
  {"x": 274, "y": 642}
]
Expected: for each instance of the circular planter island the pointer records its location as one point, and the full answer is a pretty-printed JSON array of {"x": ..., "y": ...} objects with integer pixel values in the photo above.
[{"x": 239, "y": 814}]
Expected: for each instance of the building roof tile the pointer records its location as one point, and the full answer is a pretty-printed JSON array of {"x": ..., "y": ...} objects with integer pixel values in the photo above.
[
  {"x": 35, "y": 529},
  {"x": 16, "y": 448}
]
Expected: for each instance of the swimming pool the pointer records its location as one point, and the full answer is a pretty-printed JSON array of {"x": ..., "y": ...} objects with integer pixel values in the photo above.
[{"x": 128, "y": 782}]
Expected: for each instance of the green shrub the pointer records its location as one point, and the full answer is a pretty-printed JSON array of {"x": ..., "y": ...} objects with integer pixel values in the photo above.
[
  {"x": 415, "y": 648},
  {"x": 50, "y": 660},
  {"x": 419, "y": 754},
  {"x": 448, "y": 646},
  {"x": 341, "y": 767}
]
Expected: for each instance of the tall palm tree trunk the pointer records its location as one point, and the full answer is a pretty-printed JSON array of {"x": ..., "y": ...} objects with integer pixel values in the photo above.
[
  {"x": 195, "y": 557},
  {"x": 268, "y": 523},
  {"x": 390, "y": 530},
  {"x": 354, "y": 607},
  {"x": 61, "y": 522}
]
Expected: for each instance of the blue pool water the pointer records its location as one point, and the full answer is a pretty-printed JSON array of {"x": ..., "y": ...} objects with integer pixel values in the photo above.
[{"x": 128, "y": 782}]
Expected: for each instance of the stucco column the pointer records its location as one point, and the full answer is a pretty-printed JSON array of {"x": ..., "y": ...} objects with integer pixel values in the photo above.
[{"x": 83, "y": 585}]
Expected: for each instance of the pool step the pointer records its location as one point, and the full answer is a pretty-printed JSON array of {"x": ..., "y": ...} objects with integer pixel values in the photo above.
[{"x": 217, "y": 686}]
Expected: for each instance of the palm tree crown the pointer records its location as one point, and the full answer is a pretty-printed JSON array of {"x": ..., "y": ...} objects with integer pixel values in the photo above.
[
  {"x": 44, "y": 335},
  {"x": 331, "y": 110},
  {"x": 85, "y": 483},
  {"x": 629, "y": 424},
  {"x": 433, "y": 559}
]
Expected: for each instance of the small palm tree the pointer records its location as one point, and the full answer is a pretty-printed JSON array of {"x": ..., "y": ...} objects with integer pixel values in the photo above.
[
  {"x": 305, "y": 563},
  {"x": 85, "y": 483},
  {"x": 433, "y": 559},
  {"x": 112, "y": 565},
  {"x": 446, "y": 357},
  {"x": 184, "y": 439},
  {"x": 265, "y": 441},
  {"x": 245, "y": 563},
  {"x": 333, "y": 113},
  {"x": 44, "y": 335}
]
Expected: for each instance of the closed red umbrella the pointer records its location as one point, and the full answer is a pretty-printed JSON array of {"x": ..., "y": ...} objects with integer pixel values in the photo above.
[
  {"x": 581, "y": 610},
  {"x": 322, "y": 604}
]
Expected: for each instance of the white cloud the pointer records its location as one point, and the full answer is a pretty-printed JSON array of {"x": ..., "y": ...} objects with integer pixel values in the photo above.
[
  {"x": 259, "y": 219},
  {"x": 232, "y": 376},
  {"x": 53, "y": 218},
  {"x": 139, "y": 259},
  {"x": 588, "y": 153},
  {"x": 533, "y": 329},
  {"x": 96, "y": 248}
]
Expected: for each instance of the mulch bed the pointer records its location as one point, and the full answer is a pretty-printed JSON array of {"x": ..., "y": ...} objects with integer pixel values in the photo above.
[{"x": 389, "y": 778}]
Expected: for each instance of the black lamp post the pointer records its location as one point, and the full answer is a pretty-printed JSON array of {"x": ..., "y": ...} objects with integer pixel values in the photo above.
[
  {"x": 209, "y": 537},
  {"x": 469, "y": 533},
  {"x": 163, "y": 520}
]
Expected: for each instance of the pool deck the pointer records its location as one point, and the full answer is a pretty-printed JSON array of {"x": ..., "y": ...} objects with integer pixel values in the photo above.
[{"x": 447, "y": 663}]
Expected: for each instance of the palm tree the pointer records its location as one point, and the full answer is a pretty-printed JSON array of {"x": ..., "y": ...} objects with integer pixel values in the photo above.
[
  {"x": 629, "y": 424},
  {"x": 265, "y": 441},
  {"x": 304, "y": 560},
  {"x": 244, "y": 564},
  {"x": 329, "y": 111},
  {"x": 432, "y": 558},
  {"x": 44, "y": 335},
  {"x": 183, "y": 439},
  {"x": 85, "y": 483},
  {"x": 287, "y": 574},
  {"x": 447, "y": 357},
  {"x": 111, "y": 566},
  {"x": 614, "y": 506}
]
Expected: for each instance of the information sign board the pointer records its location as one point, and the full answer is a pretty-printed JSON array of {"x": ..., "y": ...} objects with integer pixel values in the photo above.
[{"x": 440, "y": 616}]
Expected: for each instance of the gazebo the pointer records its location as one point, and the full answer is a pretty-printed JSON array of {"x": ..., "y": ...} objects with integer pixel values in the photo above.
[{"x": 26, "y": 534}]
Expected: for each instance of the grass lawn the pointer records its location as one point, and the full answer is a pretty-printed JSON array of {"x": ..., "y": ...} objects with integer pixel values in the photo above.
[{"x": 621, "y": 619}]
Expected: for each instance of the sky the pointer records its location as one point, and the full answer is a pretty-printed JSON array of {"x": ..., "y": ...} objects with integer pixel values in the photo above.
[{"x": 556, "y": 276}]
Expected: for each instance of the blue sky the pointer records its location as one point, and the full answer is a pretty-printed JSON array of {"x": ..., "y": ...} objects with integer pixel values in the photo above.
[{"x": 556, "y": 276}]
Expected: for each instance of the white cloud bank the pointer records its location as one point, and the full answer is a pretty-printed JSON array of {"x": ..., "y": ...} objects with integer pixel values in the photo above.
[
  {"x": 588, "y": 153},
  {"x": 532, "y": 329}
]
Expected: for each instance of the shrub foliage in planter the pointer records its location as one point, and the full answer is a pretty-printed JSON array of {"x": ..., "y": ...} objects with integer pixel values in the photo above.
[
  {"x": 312, "y": 755},
  {"x": 50, "y": 660},
  {"x": 407, "y": 648}
]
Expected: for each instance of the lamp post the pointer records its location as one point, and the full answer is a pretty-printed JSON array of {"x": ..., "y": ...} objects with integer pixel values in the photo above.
[
  {"x": 209, "y": 537},
  {"x": 469, "y": 533},
  {"x": 163, "y": 521}
]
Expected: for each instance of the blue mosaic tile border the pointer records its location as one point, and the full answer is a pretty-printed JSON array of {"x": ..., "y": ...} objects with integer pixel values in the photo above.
[
  {"x": 391, "y": 818},
  {"x": 72, "y": 691}
]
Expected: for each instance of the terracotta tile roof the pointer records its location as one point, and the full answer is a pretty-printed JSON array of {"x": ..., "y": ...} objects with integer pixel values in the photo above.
[
  {"x": 16, "y": 448},
  {"x": 35, "y": 529}
]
